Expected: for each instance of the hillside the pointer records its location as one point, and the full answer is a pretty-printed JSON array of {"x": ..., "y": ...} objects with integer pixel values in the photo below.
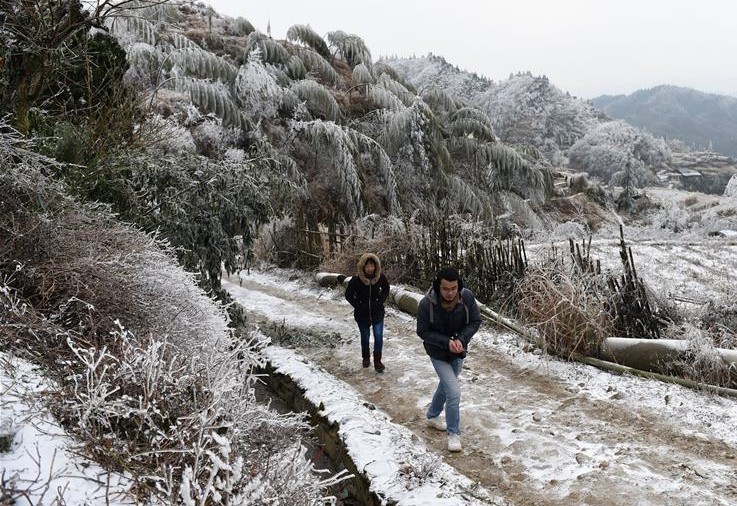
[
  {"x": 527, "y": 110},
  {"x": 524, "y": 109},
  {"x": 701, "y": 120}
]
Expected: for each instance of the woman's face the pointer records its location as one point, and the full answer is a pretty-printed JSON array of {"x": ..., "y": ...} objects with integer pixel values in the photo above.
[
  {"x": 369, "y": 269},
  {"x": 448, "y": 290}
]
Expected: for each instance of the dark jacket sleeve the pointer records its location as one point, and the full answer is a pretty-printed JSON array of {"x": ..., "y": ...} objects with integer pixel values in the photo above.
[
  {"x": 474, "y": 318},
  {"x": 384, "y": 284},
  {"x": 424, "y": 330},
  {"x": 350, "y": 291}
]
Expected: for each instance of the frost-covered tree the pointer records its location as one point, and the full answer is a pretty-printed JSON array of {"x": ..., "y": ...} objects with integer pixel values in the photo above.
[
  {"x": 358, "y": 136},
  {"x": 731, "y": 189},
  {"x": 606, "y": 151},
  {"x": 208, "y": 208},
  {"x": 144, "y": 65},
  {"x": 319, "y": 100},
  {"x": 319, "y": 67},
  {"x": 214, "y": 97},
  {"x": 524, "y": 109},
  {"x": 529, "y": 110},
  {"x": 258, "y": 93},
  {"x": 350, "y": 47},
  {"x": 306, "y": 35},
  {"x": 270, "y": 50},
  {"x": 344, "y": 154}
]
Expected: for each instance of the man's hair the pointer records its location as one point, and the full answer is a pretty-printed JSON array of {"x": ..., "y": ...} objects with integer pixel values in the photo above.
[{"x": 448, "y": 274}]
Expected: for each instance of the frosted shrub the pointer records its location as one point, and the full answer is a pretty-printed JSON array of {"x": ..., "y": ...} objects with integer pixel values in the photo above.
[
  {"x": 176, "y": 411},
  {"x": 170, "y": 137},
  {"x": 258, "y": 93},
  {"x": 235, "y": 155},
  {"x": 569, "y": 230},
  {"x": 731, "y": 189},
  {"x": 719, "y": 318},
  {"x": 420, "y": 469},
  {"x": 148, "y": 376},
  {"x": 675, "y": 218},
  {"x": 208, "y": 137},
  {"x": 702, "y": 361}
]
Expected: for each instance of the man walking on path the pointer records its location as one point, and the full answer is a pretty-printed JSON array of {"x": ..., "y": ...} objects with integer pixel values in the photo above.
[{"x": 447, "y": 319}]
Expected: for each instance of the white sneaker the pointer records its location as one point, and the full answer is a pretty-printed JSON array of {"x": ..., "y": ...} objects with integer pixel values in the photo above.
[
  {"x": 454, "y": 442},
  {"x": 436, "y": 423}
]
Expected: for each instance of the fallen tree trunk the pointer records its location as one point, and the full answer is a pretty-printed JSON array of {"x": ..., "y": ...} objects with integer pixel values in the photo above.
[
  {"x": 654, "y": 354},
  {"x": 405, "y": 300},
  {"x": 327, "y": 279}
]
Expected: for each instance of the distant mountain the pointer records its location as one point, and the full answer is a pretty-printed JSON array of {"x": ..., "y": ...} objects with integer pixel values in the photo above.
[{"x": 701, "y": 120}]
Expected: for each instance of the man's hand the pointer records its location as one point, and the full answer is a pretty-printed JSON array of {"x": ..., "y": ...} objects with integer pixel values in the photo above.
[{"x": 455, "y": 346}]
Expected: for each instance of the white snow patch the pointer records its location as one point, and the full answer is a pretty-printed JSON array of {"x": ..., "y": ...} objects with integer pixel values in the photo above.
[{"x": 43, "y": 463}]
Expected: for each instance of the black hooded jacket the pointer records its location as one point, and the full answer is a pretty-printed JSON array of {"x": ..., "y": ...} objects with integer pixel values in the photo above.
[
  {"x": 437, "y": 327},
  {"x": 367, "y": 295}
]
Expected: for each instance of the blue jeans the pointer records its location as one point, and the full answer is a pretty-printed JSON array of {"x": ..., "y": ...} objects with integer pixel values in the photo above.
[
  {"x": 448, "y": 393},
  {"x": 365, "y": 329}
]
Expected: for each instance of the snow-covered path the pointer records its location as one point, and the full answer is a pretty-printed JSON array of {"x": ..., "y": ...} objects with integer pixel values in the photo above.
[{"x": 539, "y": 430}]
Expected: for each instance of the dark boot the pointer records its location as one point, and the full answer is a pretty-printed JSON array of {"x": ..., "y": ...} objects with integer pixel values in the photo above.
[
  {"x": 377, "y": 362},
  {"x": 366, "y": 357}
]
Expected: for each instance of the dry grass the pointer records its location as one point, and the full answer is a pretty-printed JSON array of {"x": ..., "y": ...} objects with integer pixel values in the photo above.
[
  {"x": 702, "y": 361},
  {"x": 568, "y": 310}
]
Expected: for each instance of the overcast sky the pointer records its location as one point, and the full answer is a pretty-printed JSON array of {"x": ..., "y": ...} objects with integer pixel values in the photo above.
[{"x": 586, "y": 47}]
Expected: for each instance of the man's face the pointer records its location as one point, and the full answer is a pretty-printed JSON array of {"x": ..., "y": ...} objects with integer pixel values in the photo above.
[{"x": 448, "y": 290}]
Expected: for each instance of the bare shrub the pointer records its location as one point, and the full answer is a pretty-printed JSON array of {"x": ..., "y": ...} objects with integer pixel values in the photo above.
[
  {"x": 386, "y": 237},
  {"x": 575, "y": 307}
]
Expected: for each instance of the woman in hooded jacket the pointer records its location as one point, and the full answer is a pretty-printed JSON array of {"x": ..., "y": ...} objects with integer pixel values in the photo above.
[{"x": 366, "y": 292}]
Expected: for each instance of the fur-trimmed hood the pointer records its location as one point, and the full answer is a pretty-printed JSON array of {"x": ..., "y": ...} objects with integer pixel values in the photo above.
[{"x": 359, "y": 266}]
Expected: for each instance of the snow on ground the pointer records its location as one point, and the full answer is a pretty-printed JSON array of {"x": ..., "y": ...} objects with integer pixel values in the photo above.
[
  {"x": 701, "y": 270},
  {"x": 399, "y": 468},
  {"x": 42, "y": 466},
  {"x": 537, "y": 430},
  {"x": 691, "y": 263}
]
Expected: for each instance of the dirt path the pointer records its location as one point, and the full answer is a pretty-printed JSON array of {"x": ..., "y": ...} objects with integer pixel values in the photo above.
[{"x": 541, "y": 431}]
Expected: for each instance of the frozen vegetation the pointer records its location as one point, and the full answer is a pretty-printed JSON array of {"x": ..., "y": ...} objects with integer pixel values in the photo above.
[{"x": 156, "y": 159}]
